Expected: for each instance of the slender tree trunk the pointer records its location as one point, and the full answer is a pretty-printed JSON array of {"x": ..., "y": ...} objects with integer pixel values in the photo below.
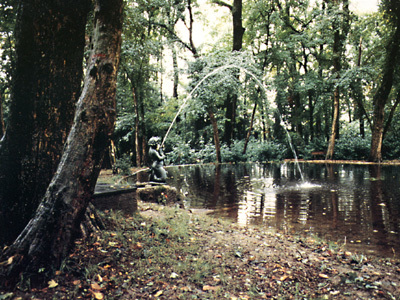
[
  {"x": 139, "y": 159},
  {"x": 311, "y": 113},
  {"x": 49, "y": 236},
  {"x": 176, "y": 72},
  {"x": 250, "y": 129},
  {"x": 391, "y": 114},
  {"x": 216, "y": 135},
  {"x": 340, "y": 34},
  {"x": 335, "y": 120},
  {"x": 2, "y": 125},
  {"x": 50, "y": 40}
]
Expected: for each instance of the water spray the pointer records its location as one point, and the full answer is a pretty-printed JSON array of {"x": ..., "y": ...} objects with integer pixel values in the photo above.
[
  {"x": 231, "y": 66},
  {"x": 190, "y": 96}
]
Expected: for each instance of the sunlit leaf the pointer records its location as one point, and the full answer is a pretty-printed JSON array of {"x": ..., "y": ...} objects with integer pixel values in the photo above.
[
  {"x": 158, "y": 294},
  {"x": 95, "y": 286},
  {"x": 98, "y": 295},
  {"x": 52, "y": 283},
  {"x": 10, "y": 260},
  {"x": 76, "y": 282},
  {"x": 210, "y": 288}
]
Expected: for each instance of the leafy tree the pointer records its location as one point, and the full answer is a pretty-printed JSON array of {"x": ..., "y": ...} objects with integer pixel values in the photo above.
[
  {"x": 7, "y": 43},
  {"x": 392, "y": 13},
  {"x": 340, "y": 28}
]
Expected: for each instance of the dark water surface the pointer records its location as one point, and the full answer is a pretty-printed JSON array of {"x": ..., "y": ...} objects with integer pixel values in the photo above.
[{"x": 354, "y": 204}]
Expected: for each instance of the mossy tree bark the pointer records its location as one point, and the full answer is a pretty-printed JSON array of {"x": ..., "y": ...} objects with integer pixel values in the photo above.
[{"x": 48, "y": 237}]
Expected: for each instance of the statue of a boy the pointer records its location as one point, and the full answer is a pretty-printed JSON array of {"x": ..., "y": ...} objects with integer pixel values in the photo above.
[{"x": 156, "y": 157}]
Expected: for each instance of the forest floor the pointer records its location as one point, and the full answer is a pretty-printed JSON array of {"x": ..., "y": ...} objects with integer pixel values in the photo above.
[{"x": 165, "y": 252}]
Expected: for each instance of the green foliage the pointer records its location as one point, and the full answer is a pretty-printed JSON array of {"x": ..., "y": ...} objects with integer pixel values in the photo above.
[
  {"x": 352, "y": 147},
  {"x": 123, "y": 165},
  {"x": 289, "y": 50},
  {"x": 256, "y": 151}
]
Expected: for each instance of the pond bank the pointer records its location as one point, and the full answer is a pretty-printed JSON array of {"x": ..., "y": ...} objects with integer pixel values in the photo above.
[{"x": 171, "y": 253}]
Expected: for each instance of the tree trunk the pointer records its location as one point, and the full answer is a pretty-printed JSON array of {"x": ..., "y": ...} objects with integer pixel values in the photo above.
[
  {"x": 137, "y": 130},
  {"x": 335, "y": 121},
  {"x": 231, "y": 100},
  {"x": 49, "y": 236},
  {"x": 382, "y": 95},
  {"x": 391, "y": 115},
  {"x": 2, "y": 125},
  {"x": 340, "y": 33},
  {"x": 216, "y": 135},
  {"x": 176, "y": 72},
  {"x": 238, "y": 29},
  {"x": 250, "y": 129},
  {"x": 50, "y": 40}
]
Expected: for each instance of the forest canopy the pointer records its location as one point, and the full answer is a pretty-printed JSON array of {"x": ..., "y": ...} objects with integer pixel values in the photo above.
[{"x": 312, "y": 73}]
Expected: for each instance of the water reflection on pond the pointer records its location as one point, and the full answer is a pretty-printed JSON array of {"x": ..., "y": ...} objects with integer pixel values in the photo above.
[{"x": 352, "y": 203}]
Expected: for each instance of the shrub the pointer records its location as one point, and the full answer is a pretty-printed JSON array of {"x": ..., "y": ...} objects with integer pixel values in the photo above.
[{"x": 352, "y": 147}]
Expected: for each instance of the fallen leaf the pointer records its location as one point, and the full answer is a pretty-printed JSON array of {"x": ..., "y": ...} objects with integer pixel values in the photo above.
[
  {"x": 283, "y": 278},
  {"x": 98, "y": 295},
  {"x": 52, "y": 283},
  {"x": 211, "y": 288},
  {"x": 321, "y": 275},
  {"x": 95, "y": 286},
  {"x": 10, "y": 260},
  {"x": 76, "y": 282},
  {"x": 158, "y": 294}
]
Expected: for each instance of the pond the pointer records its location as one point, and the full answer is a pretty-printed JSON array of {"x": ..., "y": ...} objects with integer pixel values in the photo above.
[{"x": 354, "y": 204}]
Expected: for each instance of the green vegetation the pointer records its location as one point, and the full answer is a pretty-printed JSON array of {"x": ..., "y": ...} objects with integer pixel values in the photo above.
[{"x": 302, "y": 68}]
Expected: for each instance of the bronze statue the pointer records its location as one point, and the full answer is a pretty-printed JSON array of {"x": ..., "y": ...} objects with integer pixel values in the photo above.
[{"x": 156, "y": 157}]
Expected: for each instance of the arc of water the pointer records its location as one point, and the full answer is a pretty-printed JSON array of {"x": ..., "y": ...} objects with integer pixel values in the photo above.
[
  {"x": 190, "y": 96},
  {"x": 230, "y": 66}
]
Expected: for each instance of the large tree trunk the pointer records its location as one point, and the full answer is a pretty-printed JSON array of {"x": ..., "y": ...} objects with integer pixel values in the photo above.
[
  {"x": 48, "y": 237},
  {"x": 238, "y": 29},
  {"x": 50, "y": 40}
]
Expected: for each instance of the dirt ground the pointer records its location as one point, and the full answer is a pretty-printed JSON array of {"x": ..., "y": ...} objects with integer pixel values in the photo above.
[{"x": 172, "y": 253}]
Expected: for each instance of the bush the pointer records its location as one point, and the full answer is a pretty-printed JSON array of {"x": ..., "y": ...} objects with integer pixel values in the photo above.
[
  {"x": 267, "y": 151},
  {"x": 391, "y": 148},
  {"x": 352, "y": 147},
  {"x": 123, "y": 165}
]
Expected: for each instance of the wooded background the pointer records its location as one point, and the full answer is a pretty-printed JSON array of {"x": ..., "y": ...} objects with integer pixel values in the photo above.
[{"x": 311, "y": 74}]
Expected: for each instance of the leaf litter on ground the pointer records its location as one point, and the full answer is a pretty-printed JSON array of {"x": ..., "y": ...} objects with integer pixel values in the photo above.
[{"x": 171, "y": 253}]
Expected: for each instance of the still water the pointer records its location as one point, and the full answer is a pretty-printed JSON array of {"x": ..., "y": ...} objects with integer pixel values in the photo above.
[{"x": 354, "y": 204}]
